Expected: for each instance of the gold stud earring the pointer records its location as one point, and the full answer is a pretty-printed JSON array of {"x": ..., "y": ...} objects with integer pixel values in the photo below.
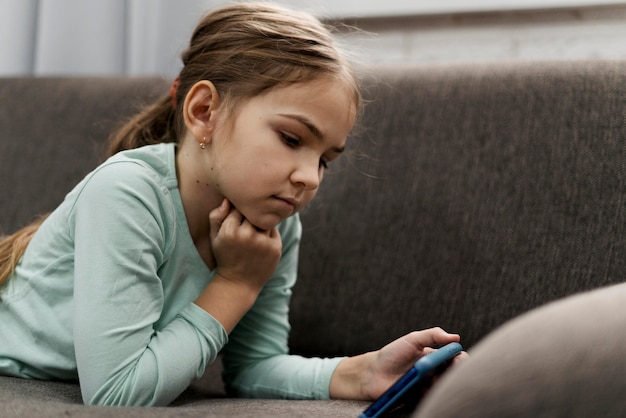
[{"x": 203, "y": 143}]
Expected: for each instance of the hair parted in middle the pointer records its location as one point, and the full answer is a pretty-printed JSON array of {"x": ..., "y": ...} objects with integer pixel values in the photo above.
[{"x": 244, "y": 49}]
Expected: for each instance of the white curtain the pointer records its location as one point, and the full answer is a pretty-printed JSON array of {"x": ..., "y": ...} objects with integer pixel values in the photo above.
[{"x": 96, "y": 37}]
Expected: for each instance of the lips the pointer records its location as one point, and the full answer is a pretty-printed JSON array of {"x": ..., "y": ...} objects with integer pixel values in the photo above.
[{"x": 288, "y": 202}]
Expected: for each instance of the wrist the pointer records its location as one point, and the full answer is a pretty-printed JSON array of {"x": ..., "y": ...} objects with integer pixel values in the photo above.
[
  {"x": 227, "y": 300},
  {"x": 244, "y": 282},
  {"x": 352, "y": 377}
]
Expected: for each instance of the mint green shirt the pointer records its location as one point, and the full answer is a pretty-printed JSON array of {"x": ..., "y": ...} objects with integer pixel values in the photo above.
[{"x": 105, "y": 291}]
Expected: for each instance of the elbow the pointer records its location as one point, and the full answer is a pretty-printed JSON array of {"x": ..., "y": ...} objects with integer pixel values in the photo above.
[
  {"x": 122, "y": 397},
  {"x": 116, "y": 401}
]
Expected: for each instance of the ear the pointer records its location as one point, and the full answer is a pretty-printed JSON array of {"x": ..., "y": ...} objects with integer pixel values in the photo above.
[{"x": 200, "y": 110}]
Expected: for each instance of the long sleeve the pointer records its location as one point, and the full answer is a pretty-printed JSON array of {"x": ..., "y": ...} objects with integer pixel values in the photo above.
[
  {"x": 123, "y": 230},
  {"x": 256, "y": 359}
]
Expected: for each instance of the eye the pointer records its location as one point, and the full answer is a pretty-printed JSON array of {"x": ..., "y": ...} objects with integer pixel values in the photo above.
[
  {"x": 323, "y": 164},
  {"x": 290, "y": 140}
]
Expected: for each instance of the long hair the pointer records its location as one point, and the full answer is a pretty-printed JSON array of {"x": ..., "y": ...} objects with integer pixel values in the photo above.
[
  {"x": 12, "y": 248},
  {"x": 244, "y": 50}
]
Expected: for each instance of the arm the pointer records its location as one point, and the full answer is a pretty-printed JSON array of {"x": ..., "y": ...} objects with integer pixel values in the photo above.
[
  {"x": 256, "y": 359},
  {"x": 120, "y": 228},
  {"x": 245, "y": 258},
  {"x": 257, "y": 363}
]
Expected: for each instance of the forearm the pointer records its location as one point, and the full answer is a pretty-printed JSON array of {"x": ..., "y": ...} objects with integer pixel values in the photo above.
[
  {"x": 282, "y": 376},
  {"x": 227, "y": 301},
  {"x": 140, "y": 367}
]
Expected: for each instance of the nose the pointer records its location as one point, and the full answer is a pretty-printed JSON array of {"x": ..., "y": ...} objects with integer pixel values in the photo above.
[{"x": 307, "y": 175}]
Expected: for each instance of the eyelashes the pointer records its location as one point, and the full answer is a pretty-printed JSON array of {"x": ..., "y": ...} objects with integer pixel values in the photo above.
[
  {"x": 294, "y": 142},
  {"x": 290, "y": 140}
]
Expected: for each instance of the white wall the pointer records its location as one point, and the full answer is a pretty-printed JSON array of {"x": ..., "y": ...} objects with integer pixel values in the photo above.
[
  {"x": 373, "y": 8},
  {"x": 136, "y": 37},
  {"x": 586, "y": 33}
]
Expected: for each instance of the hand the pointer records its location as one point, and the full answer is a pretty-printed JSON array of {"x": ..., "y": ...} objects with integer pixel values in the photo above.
[
  {"x": 369, "y": 375},
  {"x": 244, "y": 255},
  {"x": 394, "y": 359}
]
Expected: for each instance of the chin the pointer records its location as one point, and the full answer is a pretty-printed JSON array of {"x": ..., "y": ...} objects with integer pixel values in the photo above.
[
  {"x": 266, "y": 226},
  {"x": 266, "y": 222}
]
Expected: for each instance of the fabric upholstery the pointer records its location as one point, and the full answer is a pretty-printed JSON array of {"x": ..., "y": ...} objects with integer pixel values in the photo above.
[
  {"x": 473, "y": 194},
  {"x": 24, "y": 398}
]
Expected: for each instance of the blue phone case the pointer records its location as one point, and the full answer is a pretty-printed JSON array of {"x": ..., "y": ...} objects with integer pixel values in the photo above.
[{"x": 422, "y": 370}]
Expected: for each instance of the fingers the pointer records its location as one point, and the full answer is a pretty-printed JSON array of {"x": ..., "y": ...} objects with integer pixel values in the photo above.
[
  {"x": 436, "y": 337},
  {"x": 226, "y": 213},
  {"x": 432, "y": 337},
  {"x": 462, "y": 356},
  {"x": 218, "y": 215},
  {"x": 226, "y": 219}
]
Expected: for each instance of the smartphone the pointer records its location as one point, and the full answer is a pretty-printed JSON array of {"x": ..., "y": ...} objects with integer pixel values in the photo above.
[{"x": 408, "y": 390}]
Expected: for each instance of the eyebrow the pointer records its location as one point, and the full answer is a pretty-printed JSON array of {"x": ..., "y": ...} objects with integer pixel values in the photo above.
[{"x": 311, "y": 128}]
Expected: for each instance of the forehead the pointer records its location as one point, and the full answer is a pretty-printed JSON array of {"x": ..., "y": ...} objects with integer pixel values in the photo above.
[{"x": 328, "y": 103}]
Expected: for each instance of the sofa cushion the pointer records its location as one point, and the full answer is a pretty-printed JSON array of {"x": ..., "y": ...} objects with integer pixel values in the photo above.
[
  {"x": 31, "y": 398},
  {"x": 563, "y": 360}
]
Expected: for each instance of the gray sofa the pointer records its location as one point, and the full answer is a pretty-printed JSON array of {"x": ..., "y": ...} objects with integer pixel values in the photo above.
[{"x": 486, "y": 198}]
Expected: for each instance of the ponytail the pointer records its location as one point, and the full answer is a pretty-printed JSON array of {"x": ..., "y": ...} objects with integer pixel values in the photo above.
[
  {"x": 12, "y": 248},
  {"x": 154, "y": 125}
]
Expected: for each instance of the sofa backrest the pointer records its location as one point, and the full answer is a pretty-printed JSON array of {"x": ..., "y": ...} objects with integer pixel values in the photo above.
[
  {"x": 53, "y": 132},
  {"x": 470, "y": 192},
  {"x": 474, "y": 193}
]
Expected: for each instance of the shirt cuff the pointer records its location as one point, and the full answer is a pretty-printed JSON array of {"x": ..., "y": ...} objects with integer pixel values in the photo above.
[
  {"x": 322, "y": 387},
  {"x": 209, "y": 327}
]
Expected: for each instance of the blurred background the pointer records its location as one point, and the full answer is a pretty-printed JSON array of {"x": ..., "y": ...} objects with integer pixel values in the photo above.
[{"x": 146, "y": 37}]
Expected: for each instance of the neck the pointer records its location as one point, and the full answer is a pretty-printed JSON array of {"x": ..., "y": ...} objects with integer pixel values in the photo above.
[{"x": 198, "y": 195}]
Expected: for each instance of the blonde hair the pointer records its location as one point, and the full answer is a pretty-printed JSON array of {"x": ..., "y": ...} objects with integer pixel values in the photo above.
[
  {"x": 244, "y": 50},
  {"x": 12, "y": 248}
]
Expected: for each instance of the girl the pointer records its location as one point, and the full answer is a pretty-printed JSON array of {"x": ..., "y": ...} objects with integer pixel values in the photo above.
[{"x": 184, "y": 243}]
